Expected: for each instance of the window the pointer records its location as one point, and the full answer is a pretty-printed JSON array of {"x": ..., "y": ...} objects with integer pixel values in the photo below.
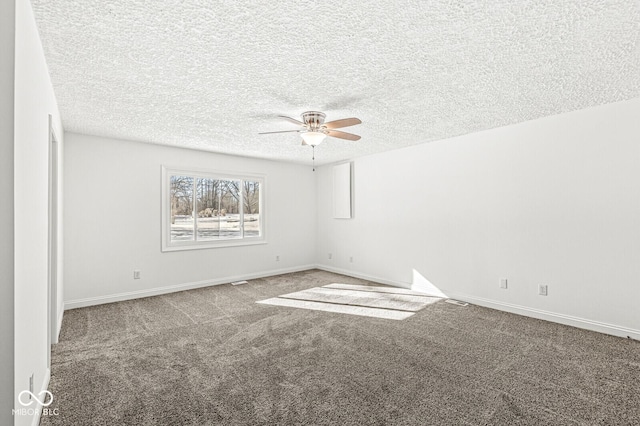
[{"x": 210, "y": 209}]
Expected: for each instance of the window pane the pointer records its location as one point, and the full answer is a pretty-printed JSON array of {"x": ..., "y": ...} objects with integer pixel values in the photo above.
[
  {"x": 208, "y": 210},
  {"x": 181, "y": 200},
  {"x": 218, "y": 209},
  {"x": 251, "y": 199},
  {"x": 230, "y": 204}
]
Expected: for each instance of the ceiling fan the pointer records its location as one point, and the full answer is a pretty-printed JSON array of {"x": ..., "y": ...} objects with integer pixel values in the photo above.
[{"x": 314, "y": 130}]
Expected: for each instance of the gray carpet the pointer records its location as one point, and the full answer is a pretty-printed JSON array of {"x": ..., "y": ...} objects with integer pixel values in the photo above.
[{"x": 213, "y": 356}]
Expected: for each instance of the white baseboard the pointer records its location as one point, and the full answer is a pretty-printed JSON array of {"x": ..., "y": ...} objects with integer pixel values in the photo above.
[
  {"x": 584, "y": 323},
  {"x": 118, "y": 297},
  {"x": 45, "y": 386},
  {"x": 573, "y": 321}
]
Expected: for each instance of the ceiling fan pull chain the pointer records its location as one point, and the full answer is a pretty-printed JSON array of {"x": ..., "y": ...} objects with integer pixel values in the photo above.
[{"x": 314, "y": 157}]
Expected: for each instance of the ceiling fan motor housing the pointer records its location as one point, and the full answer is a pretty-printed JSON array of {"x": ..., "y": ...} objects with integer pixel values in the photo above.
[{"x": 314, "y": 119}]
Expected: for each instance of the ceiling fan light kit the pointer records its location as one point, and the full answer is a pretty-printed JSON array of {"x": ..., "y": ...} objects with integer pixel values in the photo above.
[
  {"x": 314, "y": 130},
  {"x": 313, "y": 138}
]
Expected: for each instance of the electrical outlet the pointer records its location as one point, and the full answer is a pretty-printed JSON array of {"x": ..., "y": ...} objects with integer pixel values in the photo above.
[
  {"x": 136, "y": 274},
  {"x": 278, "y": 258},
  {"x": 542, "y": 290},
  {"x": 330, "y": 256},
  {"x": 503, "y": 283},
  {"x": 350, "y": 259}
]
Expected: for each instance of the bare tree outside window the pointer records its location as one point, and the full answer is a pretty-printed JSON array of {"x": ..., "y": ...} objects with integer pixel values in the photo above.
[
  {"x": 181, "y": 199},
  {"x": 251, "y": 204},
  {"x": 218, "y": 209}
]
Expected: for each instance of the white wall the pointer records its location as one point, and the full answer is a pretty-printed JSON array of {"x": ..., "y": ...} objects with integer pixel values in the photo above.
[
  {"x": 112, "y": 221},
  {"x": 7, "y": 63},
  {"x": 34, "y": 102},
  {"x": 552, "y": 201}
]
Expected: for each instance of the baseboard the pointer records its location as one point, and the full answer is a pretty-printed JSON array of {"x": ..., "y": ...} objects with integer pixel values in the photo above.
[
  {"x": 118, "y": 297},
  {"x": 45, "y": 386},
  {"x": 573, "y": 321}
]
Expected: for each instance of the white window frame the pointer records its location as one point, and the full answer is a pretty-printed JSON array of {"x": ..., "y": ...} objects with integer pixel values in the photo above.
[{"x": 168, "y": 245}]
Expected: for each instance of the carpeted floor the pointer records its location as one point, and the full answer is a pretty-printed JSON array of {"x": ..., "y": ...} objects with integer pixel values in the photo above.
[
  {"x": 365, "y": 300},
  {"x": 214, "y": 356}
]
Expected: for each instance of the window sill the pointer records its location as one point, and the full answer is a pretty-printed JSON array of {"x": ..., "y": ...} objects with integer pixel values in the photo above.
[{"x": 213, "y": 245}]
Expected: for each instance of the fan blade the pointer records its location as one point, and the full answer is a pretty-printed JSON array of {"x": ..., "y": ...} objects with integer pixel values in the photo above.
[
  {"x": 282, "y": 131},
  {"x": 343, "y": 135},
  {"x": 345, "y": 122},
  {"x": 293, "y": 120}
]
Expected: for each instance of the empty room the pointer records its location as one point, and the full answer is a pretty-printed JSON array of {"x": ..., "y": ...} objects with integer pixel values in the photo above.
[{"x": 320, "y": 213}]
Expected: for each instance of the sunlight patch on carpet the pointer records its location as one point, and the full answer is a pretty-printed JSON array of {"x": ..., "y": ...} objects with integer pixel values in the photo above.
[{"x": 370, "y": 301}]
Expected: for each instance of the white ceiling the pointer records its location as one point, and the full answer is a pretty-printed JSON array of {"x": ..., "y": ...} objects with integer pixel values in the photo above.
[{"x": 210, "y": 75}]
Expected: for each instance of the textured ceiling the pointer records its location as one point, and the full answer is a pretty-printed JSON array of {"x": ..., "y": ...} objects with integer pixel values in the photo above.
[{"x": 210, "y": 75}]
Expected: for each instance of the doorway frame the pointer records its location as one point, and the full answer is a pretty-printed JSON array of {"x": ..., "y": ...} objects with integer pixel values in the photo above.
[{"x": 53, "y": 237}]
